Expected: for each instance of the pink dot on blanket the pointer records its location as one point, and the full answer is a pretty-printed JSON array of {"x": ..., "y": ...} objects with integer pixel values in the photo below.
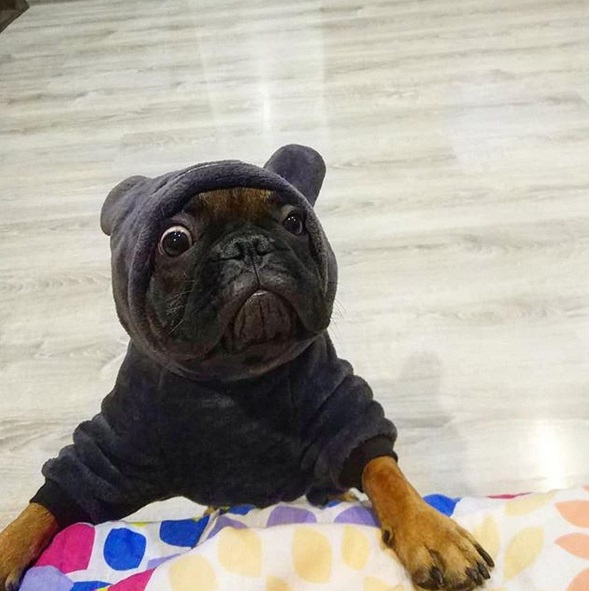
[
  {"x": 70, "y": 550},
  {"x": 137, "y": 582}
]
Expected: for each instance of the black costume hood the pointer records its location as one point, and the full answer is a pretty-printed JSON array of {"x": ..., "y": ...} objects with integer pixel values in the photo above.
[{"x": 136, "y": 208}]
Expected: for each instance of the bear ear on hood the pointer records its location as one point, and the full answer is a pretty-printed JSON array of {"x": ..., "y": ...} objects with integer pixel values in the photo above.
[
  {"x": 118, "y": 203},
  {"x": 301, "y": 166}
]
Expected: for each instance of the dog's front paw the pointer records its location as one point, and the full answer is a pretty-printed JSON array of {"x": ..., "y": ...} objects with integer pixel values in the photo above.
[
  {"x": 10, "y": 581},
  {"x": 12, "y": 567},
  {"x": 14, "y": 559},
  {"x": 22, "y": 542},
  {"x": 437, "y": 552}
]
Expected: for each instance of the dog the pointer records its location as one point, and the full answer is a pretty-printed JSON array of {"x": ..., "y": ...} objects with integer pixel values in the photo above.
[{"x": 231, "y": 390}]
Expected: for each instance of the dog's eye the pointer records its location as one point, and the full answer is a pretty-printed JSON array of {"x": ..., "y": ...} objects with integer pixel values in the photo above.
[
  {"x": 294, "y": 223},
  {"x": 175, "y": 241}
]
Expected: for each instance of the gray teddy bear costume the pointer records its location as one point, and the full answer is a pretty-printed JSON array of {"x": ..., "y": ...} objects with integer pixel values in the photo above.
[{"x": 307, "y": 427}]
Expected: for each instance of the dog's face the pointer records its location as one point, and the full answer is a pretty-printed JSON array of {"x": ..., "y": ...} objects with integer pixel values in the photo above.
[{"x": 235, "y": 287}]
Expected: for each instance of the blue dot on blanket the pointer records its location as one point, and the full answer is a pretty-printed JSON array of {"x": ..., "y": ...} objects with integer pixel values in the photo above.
[
  {"x": 124, "y": 549},
  {"x": 89, "y": 586},
  {"x": 185, "y": 532},
  {"x": 240, "y": 509},
  {"x": 445, "y": 505}
]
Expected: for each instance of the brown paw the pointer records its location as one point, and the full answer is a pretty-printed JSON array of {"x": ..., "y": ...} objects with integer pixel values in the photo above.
[
  {"x": 12, "y": 581},
  {"x": 437, "y": 552},
  {"x": 22, "y": 541},
  {"x": 11, "y": 572}
]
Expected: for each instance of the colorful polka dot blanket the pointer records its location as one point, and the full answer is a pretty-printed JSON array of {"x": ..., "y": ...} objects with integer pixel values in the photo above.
[{"x": 539, "y": 542}]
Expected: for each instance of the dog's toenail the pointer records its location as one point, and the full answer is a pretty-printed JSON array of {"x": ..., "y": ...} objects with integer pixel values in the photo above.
[
  {"x": 485, "y": 555},
  {"x": 483, "y": 570},
  {"x": 437, "y": 576},
  {"x": 475, "y": 575}
]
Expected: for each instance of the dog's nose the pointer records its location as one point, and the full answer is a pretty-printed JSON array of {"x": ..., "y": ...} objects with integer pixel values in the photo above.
[{"x": 241, "y": 247}]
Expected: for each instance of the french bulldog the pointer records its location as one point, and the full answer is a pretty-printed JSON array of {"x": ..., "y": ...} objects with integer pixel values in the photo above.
[{"x": 231, "y": 390}]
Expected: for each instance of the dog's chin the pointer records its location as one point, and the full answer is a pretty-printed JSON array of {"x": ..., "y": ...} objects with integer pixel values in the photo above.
[
  {"x": 265, "y": 332},
  {"x": 264, "y": 322}
]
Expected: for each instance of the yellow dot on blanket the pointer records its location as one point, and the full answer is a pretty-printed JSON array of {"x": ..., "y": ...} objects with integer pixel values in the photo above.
[
  {"x": 523, "y": 550},
  {"x": 191, "y": 571},
  {"x": 527, "y": 503},
  {"x": 240, "y": 551},
  {"x": 355, "y": 547},
  {"x": 487, "y": 534},
  {"x": 312, "y": 556},
  {"x": 374, "y": 584},
  {"x": 276, "y": 584}
]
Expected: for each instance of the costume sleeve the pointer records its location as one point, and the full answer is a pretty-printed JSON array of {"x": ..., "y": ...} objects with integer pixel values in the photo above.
[
  {"x": 343, "y": 427},
  {"x": 114, "y": 466},
  {"x": 102, "y": 476}
]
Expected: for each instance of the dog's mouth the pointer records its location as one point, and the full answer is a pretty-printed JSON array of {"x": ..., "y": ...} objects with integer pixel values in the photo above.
[{"x": 265, "y": 319}]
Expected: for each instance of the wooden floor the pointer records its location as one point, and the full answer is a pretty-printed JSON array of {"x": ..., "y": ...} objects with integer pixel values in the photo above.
[{"x": 457, "y": 201}]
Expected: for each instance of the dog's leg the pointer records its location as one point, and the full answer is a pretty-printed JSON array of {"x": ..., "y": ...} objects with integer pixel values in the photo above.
[
  {"x": 437, "y": 552},
  {"x": 22, "y": 542}
]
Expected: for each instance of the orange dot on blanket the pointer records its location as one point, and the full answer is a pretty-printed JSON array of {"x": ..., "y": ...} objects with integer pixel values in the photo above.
[
  {"x": 70, "y": 550},
  {"x": 575, "y": 512},
  {"x": 580, "y": 583},
  {"x": 576, "y": 544}
]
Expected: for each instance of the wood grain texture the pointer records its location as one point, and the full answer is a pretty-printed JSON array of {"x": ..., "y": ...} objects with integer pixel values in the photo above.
[{"x": 457, "y": 201}]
